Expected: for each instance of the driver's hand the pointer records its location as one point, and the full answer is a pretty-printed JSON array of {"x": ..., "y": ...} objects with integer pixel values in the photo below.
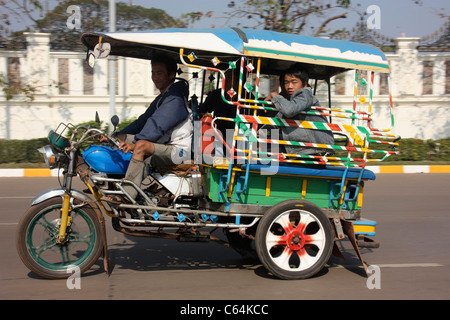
[
  {"x": 126, "y": 147},
  {"x": 271, "y": 95},
  {"x": 102, "y": 138}
]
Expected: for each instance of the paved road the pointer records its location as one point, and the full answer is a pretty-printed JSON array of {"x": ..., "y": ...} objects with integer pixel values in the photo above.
[{"x": 413, "y": 216}]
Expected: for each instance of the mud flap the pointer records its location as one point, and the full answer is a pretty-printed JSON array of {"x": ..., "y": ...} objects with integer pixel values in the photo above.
[
  {"x": 337, "y": 251},
  {"x": 350, "y": 232},
  {"x": 102, "y": 221},
  {"x": 105, "y": 246}
]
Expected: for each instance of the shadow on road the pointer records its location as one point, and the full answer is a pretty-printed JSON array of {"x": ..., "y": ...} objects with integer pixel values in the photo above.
[{"x": 147, "y": 254}]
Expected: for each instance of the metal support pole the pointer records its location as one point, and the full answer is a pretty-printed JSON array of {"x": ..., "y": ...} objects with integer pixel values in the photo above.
[{"x": 112, "y": 64}]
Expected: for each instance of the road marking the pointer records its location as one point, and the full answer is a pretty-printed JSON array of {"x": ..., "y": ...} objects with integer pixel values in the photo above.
[
  {"x": 408, "y": 265},
  {"x": 18, "y": 197},
  {"x": 393, "y": 265}
]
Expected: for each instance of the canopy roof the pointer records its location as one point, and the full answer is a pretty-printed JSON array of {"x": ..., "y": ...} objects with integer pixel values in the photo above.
[{"x": 322, "y": 57}]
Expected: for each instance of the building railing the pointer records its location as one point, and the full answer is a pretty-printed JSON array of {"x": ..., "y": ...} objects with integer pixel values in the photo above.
[{"x": 67, "y": 89}]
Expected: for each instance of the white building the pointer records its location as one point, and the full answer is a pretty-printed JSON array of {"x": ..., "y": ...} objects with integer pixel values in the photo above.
[{"x": 69, "y": 91}]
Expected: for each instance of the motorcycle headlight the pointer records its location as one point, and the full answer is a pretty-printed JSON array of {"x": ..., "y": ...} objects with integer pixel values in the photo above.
[{"x": 51, "y": 158}]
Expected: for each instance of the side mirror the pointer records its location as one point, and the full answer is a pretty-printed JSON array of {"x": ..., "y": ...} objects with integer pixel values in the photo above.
[
  {"x": 91, "y": 60},
  {"x": 97, "y": 119},
  {"x": 115, "y": 121}
]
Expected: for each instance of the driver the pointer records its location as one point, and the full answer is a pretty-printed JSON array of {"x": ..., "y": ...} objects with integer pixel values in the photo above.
[{"x": 162, "y": 135}]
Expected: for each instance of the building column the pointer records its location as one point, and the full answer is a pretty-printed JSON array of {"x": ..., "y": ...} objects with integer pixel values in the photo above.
[
  {"x": 38, "y": 61},
  {"x": 409, "y": 72}
]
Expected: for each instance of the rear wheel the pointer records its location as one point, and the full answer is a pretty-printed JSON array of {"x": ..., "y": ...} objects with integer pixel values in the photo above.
[
  {"x": 37, "y": 236},
  {"x": 294, "y": 240}
]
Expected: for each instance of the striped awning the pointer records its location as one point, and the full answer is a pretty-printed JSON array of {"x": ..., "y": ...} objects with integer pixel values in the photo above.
[{"x": 245, "y": 42}]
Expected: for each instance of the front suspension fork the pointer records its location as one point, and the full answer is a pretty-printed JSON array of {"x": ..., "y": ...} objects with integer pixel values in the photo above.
[
  {"x": 65, "y": 219},
  {"x": 65, "y": 210}
]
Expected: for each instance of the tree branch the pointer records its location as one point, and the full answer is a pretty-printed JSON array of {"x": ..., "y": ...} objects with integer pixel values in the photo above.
[{"x": 322, "y": 26}]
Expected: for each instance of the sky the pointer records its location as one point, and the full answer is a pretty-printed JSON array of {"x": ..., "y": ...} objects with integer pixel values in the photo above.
[{"x": 397, "y": 17}]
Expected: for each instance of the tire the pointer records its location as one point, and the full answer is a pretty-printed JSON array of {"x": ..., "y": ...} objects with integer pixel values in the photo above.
[
  {"x": 294, "y": 240},
  {"x": 37, "y": 234}
]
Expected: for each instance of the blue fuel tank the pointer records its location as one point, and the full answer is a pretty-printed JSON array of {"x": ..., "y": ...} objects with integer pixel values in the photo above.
[{"x": 107, "y": 160}]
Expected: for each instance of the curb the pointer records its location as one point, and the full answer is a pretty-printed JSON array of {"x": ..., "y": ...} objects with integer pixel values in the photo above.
[
  {"x": 410, "y": 169},
  {"x": 43, "y": 172},
  {"x": 35, "y": 172}
]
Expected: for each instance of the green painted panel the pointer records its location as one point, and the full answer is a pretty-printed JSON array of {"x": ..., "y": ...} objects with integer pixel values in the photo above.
[{"x": 282, "y": 188}]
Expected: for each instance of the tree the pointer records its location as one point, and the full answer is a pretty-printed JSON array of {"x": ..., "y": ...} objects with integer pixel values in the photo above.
[
  {"x": 291, "y": 16},
  {"x": 94, "y": 16},
  {"x": 16, "y": 11}
]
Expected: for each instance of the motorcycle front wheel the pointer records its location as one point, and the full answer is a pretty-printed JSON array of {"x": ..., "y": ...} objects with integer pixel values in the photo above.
[{"x": 37, "y": 236}]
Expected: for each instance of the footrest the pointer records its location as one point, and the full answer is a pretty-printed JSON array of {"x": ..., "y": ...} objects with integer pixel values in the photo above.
[
  {"x": 200, "y": 236},
  {"x": 365, "y": 242}
]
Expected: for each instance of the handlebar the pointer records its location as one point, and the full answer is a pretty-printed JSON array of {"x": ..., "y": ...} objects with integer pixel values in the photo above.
[{"x": 89, "y": 133}]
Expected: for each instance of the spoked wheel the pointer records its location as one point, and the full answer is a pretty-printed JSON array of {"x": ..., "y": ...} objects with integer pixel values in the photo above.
[
  {"x": 37, "y": 236},
  {"x": 294, "y": 240}
]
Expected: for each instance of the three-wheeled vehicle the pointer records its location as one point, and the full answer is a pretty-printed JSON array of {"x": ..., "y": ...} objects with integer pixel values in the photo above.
[{"x": 288, "y": 208}]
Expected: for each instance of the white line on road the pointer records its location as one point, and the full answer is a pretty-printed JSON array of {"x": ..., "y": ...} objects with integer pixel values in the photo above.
[
  {"x": 18, "y": 197},
  {"x": 408, "y": 265},
  {"x": 394, "y": 265}
]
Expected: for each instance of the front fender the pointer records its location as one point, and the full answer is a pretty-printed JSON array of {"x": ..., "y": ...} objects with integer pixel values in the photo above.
[{"x": 59, "y": 192}]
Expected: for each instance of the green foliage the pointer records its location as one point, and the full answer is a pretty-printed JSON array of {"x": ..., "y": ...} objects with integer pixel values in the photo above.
[
  {"x": 123, "y": 124},
  {"x": 423, "y": 150},
  {"x": 91, "y": 124},
  {"x": 21, "y": 151},
  {"x": 411, "y": 150},
  {"x": 12, "y": 88},
  {"x": 87, "y": 143},
  {"x": 25, "y": 151}
]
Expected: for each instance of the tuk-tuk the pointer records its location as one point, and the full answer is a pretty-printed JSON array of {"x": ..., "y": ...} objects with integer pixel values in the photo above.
[{"x": 289, "y": 209}]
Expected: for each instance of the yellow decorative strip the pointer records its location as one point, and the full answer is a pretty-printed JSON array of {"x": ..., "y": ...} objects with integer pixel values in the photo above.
[
  {"x": 231, "y": 184},
  {"x": 305, "y": 182},
  {"x": 348, "y": 128},
  {"x": 341, "y": 201},
  {"x": 307, "y": 125},
  {"x": 360, "y": 197},
  {"x": 268, "y": 182}
]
